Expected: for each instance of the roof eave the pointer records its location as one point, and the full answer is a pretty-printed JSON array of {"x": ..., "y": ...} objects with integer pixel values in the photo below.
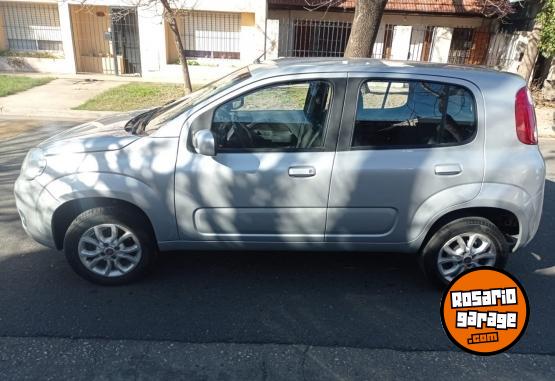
[{"x": 387, "y": 11}]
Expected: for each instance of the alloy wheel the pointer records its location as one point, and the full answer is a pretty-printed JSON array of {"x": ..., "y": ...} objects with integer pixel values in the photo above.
[
  {"x": 109, "y": 250},
  {"x": 463, "y": 252}
]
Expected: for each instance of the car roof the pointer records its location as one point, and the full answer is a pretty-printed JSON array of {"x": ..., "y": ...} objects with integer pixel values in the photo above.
[{"x": 285, "y": 66}]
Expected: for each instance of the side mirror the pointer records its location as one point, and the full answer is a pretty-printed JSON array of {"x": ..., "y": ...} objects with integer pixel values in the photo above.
[{"x": 204, "y": 143}]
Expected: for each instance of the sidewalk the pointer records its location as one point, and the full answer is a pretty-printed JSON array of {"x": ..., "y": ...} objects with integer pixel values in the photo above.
[
  {"x": 546, "y": 122},
  {"x": 56, "y": 99}
]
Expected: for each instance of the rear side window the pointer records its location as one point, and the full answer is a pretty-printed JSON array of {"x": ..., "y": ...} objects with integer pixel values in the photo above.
[{"x": 397, "y": 114}]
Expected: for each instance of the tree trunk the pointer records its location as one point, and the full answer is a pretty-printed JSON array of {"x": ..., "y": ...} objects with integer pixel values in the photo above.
[
  {"x": 172, "y": 21},
  {"x": 526, "y": 67},
  {"x": 541, "y": 71},
  {"x": 366, "y": 22}
]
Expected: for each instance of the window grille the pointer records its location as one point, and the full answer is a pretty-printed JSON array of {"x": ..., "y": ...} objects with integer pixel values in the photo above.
[
  {"x": 211, "y": 34},
  {"x": 323, "y": 38},
  {"x": 31, "y": 27},
  {"x": 313, "y": 38}
]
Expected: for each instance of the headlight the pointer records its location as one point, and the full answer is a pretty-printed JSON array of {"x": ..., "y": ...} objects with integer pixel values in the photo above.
[{"x": 34, "y": 164}]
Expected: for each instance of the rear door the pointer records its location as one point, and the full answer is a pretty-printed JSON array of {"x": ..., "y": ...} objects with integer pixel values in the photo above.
[{"x": 409, "y": 146}]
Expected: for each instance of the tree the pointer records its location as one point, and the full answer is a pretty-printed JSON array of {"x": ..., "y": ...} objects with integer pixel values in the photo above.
[
  {"x": 543, "y": 10},
  {"x": 526, "y": 67},
  {"x": 366, "y": 22},
  {"x": 171, "y": 10},
  {"x": 171, "y": 14},
  {"x": 546, "y": 18},
  {"x": 497, "y": 8}
]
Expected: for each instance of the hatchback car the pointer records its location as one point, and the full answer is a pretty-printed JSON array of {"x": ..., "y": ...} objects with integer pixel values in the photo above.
[{"x": 363, "y": 155}]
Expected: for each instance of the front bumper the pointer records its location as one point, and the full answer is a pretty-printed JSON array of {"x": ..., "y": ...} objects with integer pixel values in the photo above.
[{"x": 35, "y": 206}]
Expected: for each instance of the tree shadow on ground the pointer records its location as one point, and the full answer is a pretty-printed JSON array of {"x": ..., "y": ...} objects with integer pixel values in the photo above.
[{"x": 329, "y": 299}]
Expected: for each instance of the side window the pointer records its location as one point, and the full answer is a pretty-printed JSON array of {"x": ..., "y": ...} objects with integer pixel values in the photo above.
[
  {"x": 383, "y": 95},
  {"x": 284, "y": 116},
  {"x": 395, "y": 114},
  {"x": 282, "y": 97}
]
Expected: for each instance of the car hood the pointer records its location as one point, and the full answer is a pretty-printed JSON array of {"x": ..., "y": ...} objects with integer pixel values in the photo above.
[{"x": 105, "y": 134}]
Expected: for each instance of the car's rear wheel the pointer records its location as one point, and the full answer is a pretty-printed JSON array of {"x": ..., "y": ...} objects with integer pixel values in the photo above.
[
  {"x": 109, "y": 245},
  {"x": 462, "y": 245}
]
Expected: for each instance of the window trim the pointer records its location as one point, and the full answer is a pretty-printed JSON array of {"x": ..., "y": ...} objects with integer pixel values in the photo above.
[
  {"x": 471, "y": 139},
  {"x": 285, "y": 150}
]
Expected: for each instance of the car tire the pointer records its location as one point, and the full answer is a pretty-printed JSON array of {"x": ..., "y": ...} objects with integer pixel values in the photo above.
[
  {"x": 445, "y": 256},
  {"x": 110, "y": 245}
]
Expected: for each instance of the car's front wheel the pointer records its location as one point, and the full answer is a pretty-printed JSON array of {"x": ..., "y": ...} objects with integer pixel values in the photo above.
[
  {"x": 109, "y": 245},
  {"x": 461, "y": 245}
]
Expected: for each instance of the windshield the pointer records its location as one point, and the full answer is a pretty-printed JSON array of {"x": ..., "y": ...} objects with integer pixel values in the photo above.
[{"x": 177, "y": 107}]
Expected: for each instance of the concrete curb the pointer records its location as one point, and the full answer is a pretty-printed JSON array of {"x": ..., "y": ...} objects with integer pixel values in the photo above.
[{"x": 77, "y": 115}]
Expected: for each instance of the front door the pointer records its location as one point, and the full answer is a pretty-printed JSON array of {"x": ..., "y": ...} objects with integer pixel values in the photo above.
[
  {"x": 409, "y": 148},
  {"x": 269, "y": 180}
]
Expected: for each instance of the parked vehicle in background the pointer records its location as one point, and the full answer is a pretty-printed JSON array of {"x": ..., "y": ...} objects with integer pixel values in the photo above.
[{"x": 435, "y": 160}]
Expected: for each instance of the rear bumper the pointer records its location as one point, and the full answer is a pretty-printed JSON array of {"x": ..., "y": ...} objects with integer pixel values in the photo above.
[
  {"x": 35, "y": 206},
  {"x": 533, "y": 224}
]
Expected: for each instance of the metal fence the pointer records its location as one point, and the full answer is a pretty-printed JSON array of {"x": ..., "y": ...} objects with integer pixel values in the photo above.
[
  {"x": 416, "y": 45},
  {"x": 30, "y": 27},
  {"x": 420, "y": 48},
  {"x": 506, "y": 50},
  {"x": 318, "y": 38},
  {"x": 384, "y": 42},
  {"x": 323, "y": 38},
  {"x": 211, "y": 34}
]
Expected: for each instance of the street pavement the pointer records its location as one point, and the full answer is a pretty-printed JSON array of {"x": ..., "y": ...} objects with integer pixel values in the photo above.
[{"x": 243, "y": 316}]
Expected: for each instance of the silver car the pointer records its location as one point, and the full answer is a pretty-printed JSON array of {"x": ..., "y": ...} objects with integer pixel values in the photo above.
[{"x": 375, "y": 156}]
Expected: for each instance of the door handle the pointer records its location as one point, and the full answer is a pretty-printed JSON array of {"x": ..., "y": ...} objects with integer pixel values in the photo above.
[
  {"x": 448, "y": 169},
  {"x": 302, "y": 171}
]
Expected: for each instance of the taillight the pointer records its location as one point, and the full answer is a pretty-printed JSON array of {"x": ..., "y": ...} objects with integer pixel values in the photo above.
[{"x": 525, "y": 117}]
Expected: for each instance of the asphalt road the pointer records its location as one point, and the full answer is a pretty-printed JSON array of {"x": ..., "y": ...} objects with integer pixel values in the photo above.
[{"x": 312, "y": 300}]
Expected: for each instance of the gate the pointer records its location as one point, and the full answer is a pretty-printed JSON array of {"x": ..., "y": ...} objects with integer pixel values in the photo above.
[{"x": 106, "y": 40}]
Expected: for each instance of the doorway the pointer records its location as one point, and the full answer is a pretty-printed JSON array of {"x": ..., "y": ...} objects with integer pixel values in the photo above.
[{"x": 106, "y": 40}]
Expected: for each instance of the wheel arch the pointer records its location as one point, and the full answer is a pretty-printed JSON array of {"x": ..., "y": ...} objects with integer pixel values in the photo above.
[
  {"x": 505, "y": 220},
  {"x": 64, "y": 215}
]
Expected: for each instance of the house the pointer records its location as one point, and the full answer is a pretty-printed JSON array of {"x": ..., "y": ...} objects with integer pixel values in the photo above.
[
  {"x": 419, "y": 30},
  {"x": 118, "y": 37}
]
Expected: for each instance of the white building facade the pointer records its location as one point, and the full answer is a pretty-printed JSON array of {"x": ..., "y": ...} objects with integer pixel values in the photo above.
[
  {"x": 127, "y": 37},
  {"x": 132, "y": 37}
]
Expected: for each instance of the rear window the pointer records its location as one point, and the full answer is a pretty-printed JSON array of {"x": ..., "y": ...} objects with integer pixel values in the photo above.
[{"x": 397, "y": 114}]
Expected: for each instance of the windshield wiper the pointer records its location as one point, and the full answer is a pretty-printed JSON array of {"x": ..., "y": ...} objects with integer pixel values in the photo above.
[{"x": 137, "y": 124}]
